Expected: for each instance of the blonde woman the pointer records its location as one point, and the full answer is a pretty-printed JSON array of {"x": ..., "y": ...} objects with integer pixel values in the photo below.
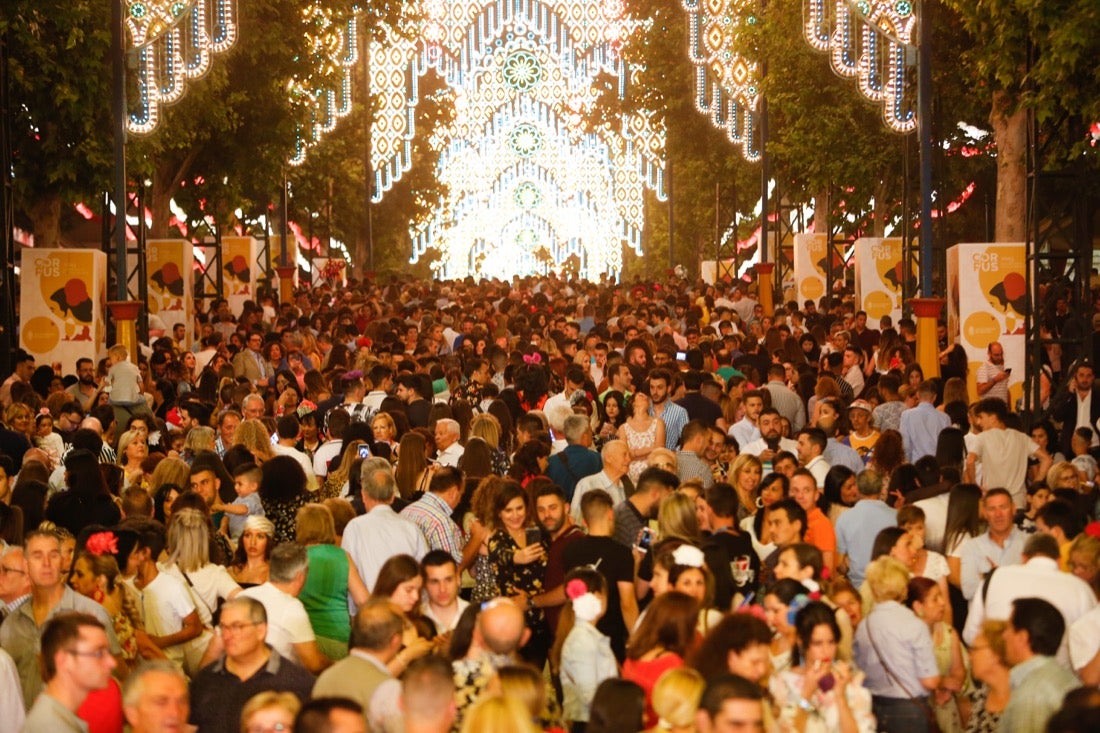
[
  {"x": 254, "y": 436},
  {"x": 331, "y": 580},
  {"x": 132, "y": 450},
  {"x": 189, "y": 560},
  {"x": 745, "y": 475},
  {"x": 384, "y": 430},
  {"x": 270, "y": 711},
  {"x": 676, "y": 699},
  {"x": 199, "y": 439},
  {"x": 498, "y": 714},
  {"x": 337, "y": 482},
  {"x": 486, "y": 426}
]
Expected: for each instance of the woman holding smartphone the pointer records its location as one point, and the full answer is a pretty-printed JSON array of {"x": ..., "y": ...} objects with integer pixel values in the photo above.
[
  {"x": 820, "y": 693},
  {"x": 516, "y": 549}
]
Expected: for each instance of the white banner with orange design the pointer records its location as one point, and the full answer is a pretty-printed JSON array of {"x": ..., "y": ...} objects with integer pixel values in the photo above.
[
  {"x": 170, "y": 267},
  {"x": 810, "y": 266},
  {"x": 240, "y": 263},
  {"x": 62, "y": 305},
  {"x": 986, "y": 302},
  {"x": 878, "y": 268}
]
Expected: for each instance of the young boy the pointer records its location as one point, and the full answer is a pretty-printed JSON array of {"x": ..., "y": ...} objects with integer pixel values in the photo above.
[
  {"x": 124, "y": 379},
  {"x": 246, "y": 480}
]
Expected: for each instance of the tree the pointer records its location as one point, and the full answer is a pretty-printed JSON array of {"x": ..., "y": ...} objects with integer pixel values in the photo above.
[{"x": 60, "y": 101}]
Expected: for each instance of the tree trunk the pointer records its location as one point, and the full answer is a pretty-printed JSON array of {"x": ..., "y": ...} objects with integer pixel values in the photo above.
[
  {"x": 46, "y": 221},
  {"x": 1010, "y": 135},
  {"x": 822, "y": 206},
  {"x": 881, "y": 209}
]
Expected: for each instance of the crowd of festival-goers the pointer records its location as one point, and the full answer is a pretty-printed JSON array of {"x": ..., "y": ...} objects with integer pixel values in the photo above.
[{"x": 546, "y": 505}]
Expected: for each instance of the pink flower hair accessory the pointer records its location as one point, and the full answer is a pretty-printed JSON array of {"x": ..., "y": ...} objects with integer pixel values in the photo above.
[
  {"x": 102, "y": 543},
  {"x": 575, "y": 588}
]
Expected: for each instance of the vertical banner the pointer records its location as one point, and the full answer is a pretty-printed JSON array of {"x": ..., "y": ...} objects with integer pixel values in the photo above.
[
  {"x": 810, "y": 251},
  {"x": 986, "y": 302},
  {"x": 62, "y": 312},
  {"x": 330, "y": 271},
  {"x": 879, "y": 278},
  {"x": 240, "y": 263},
  {"x": 170, "y": 267}
]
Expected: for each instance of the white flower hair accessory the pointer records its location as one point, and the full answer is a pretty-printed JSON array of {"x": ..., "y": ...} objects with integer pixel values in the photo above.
[
  {"x": 688, "y": 555},
  {"x": 587, "y": 607}
]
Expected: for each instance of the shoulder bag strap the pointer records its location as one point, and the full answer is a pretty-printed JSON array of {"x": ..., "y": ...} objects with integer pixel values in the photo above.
[{"x": 933, "y": 724}]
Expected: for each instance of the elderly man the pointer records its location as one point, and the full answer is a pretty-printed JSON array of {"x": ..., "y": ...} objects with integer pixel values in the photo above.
[
  {"x": 616, "y": 461},
  {"x": 248, "y": 666},
  {"x": 15, "y": 584},
  {"x": 380, "y": 532},
  {"x": 50, "y": 596},
  {"x": 155, "y": 698},
  {"x": 250, "y": 362},
  {"x": 447, "y": 435},
  {"x": 498, "y": 634},
  {"x": 377, "y": 641},
  {"x": 289, "y": 631},
  {"x": 577, "y": 460},
  {"x": 76, "y": 660}
]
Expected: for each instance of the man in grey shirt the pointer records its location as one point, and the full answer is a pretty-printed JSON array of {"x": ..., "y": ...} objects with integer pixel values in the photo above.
[{"x": 76, "y": 659}]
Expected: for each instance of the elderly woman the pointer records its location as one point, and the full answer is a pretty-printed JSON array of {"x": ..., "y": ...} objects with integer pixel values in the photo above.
[{"x": 894, "y": 649}]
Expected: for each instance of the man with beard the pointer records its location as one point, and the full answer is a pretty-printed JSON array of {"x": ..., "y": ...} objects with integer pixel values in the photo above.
[
  {"x": 552, "y": 511},
  {"x": 86, "y": 387},
  {"x": 674, "y": 416},
  {"x": 992, "y": 377},
  {"x": 636, "y": 512},
  {"x": 770, "y": 442}
]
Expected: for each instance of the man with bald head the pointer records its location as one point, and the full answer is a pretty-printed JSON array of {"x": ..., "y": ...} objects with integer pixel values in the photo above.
[{"x": 498, "y": 635}]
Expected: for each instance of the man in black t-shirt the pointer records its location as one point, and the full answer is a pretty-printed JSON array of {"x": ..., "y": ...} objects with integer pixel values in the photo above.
[
  {"x": 615, "y": 562},
  {"x": 737, "y": 572}
]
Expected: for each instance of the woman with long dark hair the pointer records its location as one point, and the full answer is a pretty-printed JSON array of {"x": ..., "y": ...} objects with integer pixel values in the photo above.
[
  {"x": 282, "y": 494},
  {"x": 88, "y": 501}
]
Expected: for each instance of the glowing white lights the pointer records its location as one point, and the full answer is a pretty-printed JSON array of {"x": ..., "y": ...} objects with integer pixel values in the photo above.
[
  {"x": 173, "y": 41},
  {"x": 529, "y": 187},
  {"x": 872, "y": 42}
]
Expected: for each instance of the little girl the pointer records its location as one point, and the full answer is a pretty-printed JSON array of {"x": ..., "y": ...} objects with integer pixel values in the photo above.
[
  {"x": 586, "y": 657},
  {"x": 47, "y": 439}
]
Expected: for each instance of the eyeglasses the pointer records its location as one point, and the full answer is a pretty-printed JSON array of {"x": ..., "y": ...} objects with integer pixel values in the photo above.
[
  {"x": 234, "y": 628},
  {"x": 17, "y": 571},
  {"x": 100, "y": 653}
]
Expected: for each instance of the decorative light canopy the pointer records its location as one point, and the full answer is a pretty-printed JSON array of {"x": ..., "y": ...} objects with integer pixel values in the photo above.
[
  {"x": 174, "y": 41},
  {"x": 323, "y": 85},
  {"x": 726, "y": 82},
  {"x": 871, "y": 41},
  {"x": 529, "y": 188}
]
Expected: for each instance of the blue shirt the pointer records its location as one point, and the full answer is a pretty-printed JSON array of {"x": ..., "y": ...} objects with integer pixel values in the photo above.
[
  {"x": 675, "y": 418},
  {"x": 904, "y": 642},
  {"x": 920, "y": 429},
  {"x": 571, "y": 465},
  {"x": 856, "y": 530}
]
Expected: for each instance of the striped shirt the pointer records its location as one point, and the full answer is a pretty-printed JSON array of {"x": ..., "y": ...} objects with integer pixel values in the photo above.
[
  {"x": 675, "y": 418},
  {"x": 433, "y": 516}
]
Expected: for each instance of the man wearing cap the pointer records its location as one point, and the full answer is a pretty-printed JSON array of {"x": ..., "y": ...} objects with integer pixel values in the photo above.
[
  {"x": 863, "y": 436},
  {"x": 1082, "y": 409}
]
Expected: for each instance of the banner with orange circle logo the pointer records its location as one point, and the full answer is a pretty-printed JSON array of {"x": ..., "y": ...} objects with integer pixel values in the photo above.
[
  {"x": 987, "y": 302},
  {"x": 878, "y": 271},
  {"x": 62, "y": 305},
  {"x": 811, "y": 266}
]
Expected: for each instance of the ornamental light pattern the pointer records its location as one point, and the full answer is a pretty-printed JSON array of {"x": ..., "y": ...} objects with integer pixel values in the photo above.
[
  {"x": 726, "y": 82},
  {"x": 873, "y": 42},
  {"x": 173, "y": 42},
  {"x": 528, "y": 183}
]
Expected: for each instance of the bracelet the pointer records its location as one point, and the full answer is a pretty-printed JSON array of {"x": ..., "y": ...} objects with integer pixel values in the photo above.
[{"x": 806, "y": 705}]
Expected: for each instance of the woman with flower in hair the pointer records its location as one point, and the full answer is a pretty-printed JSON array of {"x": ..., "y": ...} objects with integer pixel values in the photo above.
[
  {"x": 95, "y": 574},
  {"x": 804, "y": 563},
  {"x": 311, "y": 432},
  {"x": 689, "y": 575},
  {"x": 783, "y": 599},
  {"x": 586, "y": 656}
]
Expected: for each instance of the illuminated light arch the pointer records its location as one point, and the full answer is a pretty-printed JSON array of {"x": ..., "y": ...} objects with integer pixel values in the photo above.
[
  {"x": 727, "y": 86},
  {"x": 519, "y": 69},
  {"x": 871, "y": 41},
  {"x": 174, "y": 42}
]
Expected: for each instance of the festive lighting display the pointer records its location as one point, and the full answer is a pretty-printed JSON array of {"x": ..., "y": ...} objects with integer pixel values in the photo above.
[
  {"x": 529, "y": 187},
  {"x": 174, "y": 42},
  {"x": 324, "y": 85},
  {"x": 871, "y": 41},
  {"x": 726, "y": 82}
]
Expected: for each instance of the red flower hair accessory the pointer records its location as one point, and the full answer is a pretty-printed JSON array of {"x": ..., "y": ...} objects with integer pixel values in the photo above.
[
  {"x": 102, "y": 543},
  {"x": 575, "y": 588}
]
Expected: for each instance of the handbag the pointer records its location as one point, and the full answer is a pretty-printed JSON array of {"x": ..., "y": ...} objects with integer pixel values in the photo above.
[{"x": 933, "y": 724}]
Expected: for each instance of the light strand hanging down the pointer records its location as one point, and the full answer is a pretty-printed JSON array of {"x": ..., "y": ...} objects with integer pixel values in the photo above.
[{"x": 173, "y": 42}]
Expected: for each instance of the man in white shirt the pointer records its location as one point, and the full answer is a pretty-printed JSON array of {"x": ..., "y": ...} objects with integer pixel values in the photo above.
[
  {"x": 746, "y": 430},
  {"x": 616, "y": 461},
  {"x": 771, "y": 440},
  {"x": 288, "y": 629},
  {"x": 992, "y": 377},
  {"x": 1072, "y": 596},
  {"x": 380, "y": 533},
  {"x": 1002, "y": 544},
  {"x": 287, "y": 430},
  {"x": 811, "y": 444},
  {"x": 381, "y": 379},
  {"x": 853, "y": 368},
  {"x": 447, "y": 433},
  {"x": 1003, "y": 452},
  {"x": 442, "y": 604}
]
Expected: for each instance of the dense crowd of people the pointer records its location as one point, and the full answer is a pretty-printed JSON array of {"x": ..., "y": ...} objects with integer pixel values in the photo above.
[{"x": 540, "y": 506}]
